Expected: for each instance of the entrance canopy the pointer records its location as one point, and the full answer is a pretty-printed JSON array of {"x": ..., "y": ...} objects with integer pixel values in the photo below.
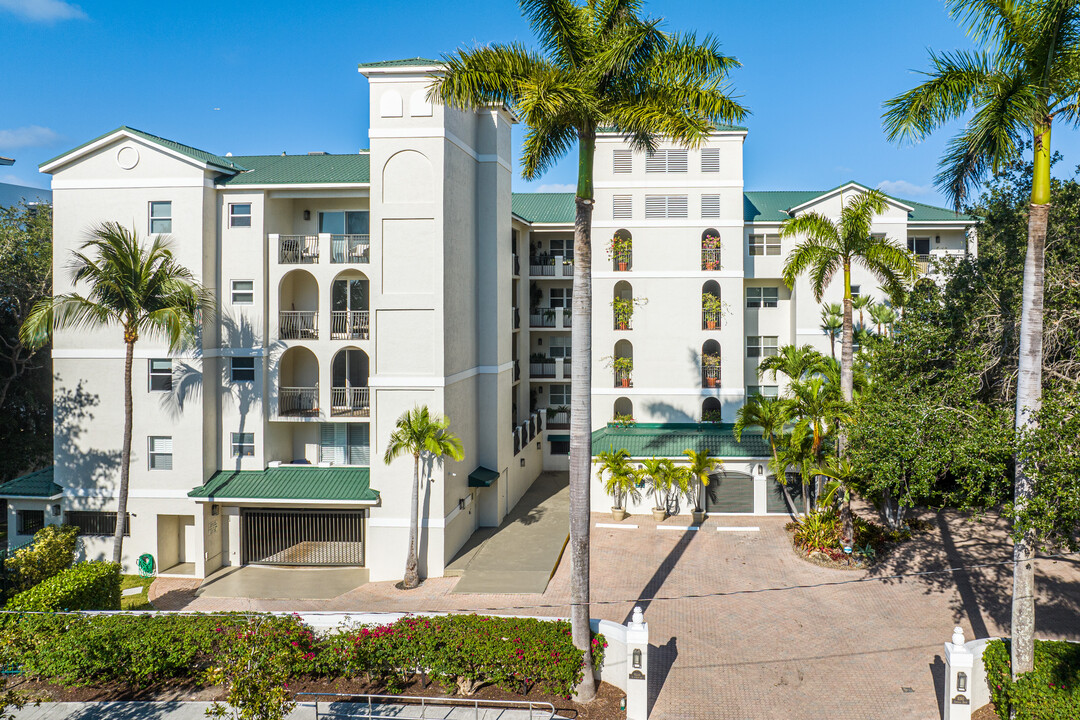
[{"x": 292, "y": 485}]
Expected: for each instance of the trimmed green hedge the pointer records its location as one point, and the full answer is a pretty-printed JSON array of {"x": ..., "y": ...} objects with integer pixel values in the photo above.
[
  {"x": 1049, "y": 692},
  {"x": 51, "y": 551},
  {"x": 86, "y": 586}
]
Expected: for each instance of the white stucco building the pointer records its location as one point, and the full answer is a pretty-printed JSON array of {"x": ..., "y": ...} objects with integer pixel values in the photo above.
[{"x": 354, "y": 287}]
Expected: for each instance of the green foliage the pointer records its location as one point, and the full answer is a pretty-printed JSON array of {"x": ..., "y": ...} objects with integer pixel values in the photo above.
[
  {"x": 254, "y": 662},
  {"x": 621, "y": 479},
  {"x": 85, "y": 586},
  {"x": 1049, "y": 692},
  {"x": 51, "y": 551},
  {"x": 818, "y": 530},
  {"x": 822, "y": 530}
]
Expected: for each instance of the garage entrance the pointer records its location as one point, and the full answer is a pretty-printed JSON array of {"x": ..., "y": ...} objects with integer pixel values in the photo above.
[
  {"x": 301, "y": 537},
  {"x": 730, "y": 492}
]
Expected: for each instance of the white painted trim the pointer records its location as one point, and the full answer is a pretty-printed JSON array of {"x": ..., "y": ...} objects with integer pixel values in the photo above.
[
  {"x": 122, "y": 184},
  {"x": 73, "y": 155},
  {"x": 616, "y": 526},
  {"x": 426, "y": 381},
  {"x": 682, "y": 528},
  {"x": 644, "y": 223},
  {"x": 148, "y": 353},
  {"x": 851, "y": 185},
  {"x": 404, "y": 522},
  {"x": 401, "y": 70},
  {"x": 665, "y": 274},
  {"x": 40, "y": 498},
  {"x": 403, "y": 133},
  {"x": 685, "y": 183},
  {"x": 260, "y": 502},
  {"x": 699, "y": 392},
  {"x": 286, "y": 187},
  {"x": 735, "y": 528}
]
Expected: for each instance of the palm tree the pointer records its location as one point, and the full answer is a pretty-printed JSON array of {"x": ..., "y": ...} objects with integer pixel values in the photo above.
[
  {"x": 1017, "y": 86},
  {"x": 829, "y": 247},
  {"x": 832, "y": 324},
  {"x": 603, "y": 66},
  {"x": 140, "y": 288},
  {"x": 621, "y": 482},
  {"x": 792, "y": 360},
  {"x": 820, "y": 413},
  {"x": 862, "y": 303},
  {"x": 419, "y": 432},
  {"x": 883, "y": 317},
  {"x": 843, "y": 476},
  {"x": 771, "y": 416},
  {"x": 701, "y": 466}
]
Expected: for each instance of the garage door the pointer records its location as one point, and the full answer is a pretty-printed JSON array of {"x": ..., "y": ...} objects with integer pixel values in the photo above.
[
  {"x": 300, "y": 537},
  {"x": 730, "y": 493},
  {"x": 775, "y": 503}
]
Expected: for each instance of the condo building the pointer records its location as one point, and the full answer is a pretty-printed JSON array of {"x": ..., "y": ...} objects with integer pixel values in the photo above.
[{"x": 351, "y": 288}]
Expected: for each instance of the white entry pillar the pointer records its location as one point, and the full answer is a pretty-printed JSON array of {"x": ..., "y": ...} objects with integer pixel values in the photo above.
[
  {"x": 959, "y": 661},
  {"x": 637, "y": 667}
]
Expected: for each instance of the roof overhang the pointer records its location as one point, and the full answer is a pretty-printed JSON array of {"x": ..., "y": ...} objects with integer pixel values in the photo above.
[
  {"x": 282, "y": 503},
  {"x": 42, "y": 498},
  {"x": 51, "y": 166}
]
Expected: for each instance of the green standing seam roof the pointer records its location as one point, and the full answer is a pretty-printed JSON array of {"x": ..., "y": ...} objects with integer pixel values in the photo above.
[
  {"x": 292, "y": 169},
  {"x": 772, "y": 206},
  {"x": 671, "y": 439},
  {"x": 290, "y": 483},
  {"x": 226, "y": 164},
  {"x": 406, "y": 62},
  {"x": 482, "y": 477},
  {"x": 37, "y": 484},
  {"x": 544, "y": 207}
]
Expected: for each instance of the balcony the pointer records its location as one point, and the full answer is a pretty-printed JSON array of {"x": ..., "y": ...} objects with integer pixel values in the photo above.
[
  {"x": 710, "y": 320},
  {"x": 516, "y": 265},
  {"x": 623, "y": 379},
  {"x": 710, "y": 258},
  {"x": 555, "y": 266},
  {"x": 710, "y": 376},
  {"x": 351, "y": 249},
  {"x": 298, "y": 401},
  {"x": 350, "y": 402},
  {"x": 350, "y": 325},
  {"x": 558, "y": 419},
  {"x": 298, "y": 249},
  {"x": 541, "y": 367},
  {"x": 298, "y": 325},
  {"x": 549, "y": 318}
]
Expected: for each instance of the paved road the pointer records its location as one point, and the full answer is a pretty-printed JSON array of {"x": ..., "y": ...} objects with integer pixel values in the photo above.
[{"x": 303, "y": 711}]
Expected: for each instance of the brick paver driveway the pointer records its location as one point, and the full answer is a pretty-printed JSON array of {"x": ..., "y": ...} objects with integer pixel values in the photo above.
[{"x": 814, "y": 650}]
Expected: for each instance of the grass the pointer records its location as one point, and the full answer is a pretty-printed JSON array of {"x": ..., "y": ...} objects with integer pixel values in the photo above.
[{"x": 135, "y": 602}]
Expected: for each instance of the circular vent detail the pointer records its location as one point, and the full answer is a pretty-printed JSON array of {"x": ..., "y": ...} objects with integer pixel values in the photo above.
[{"x": 127, "y": 157}]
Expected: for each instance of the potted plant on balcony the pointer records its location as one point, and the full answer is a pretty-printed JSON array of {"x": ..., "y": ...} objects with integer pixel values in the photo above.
[
  {"x": 710, "y": 258},
  {"x": 713, "y": 307},
  {"x": 622, "y": 421},
  {"x": 711, "y": 364},
  {"x": 559, "y": 410},
  {"x": 619, "y": 251},
  {"x": 622, "y": 366},
  {"x": 621, "y": 480},
  {"x": 549, "y": 314},
  {"x": 712, "y": 416}
]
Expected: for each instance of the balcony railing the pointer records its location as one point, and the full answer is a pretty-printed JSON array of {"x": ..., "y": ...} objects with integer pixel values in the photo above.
[
  {"x": 622, "y": 261},
  {"x": 353, "y": 249},
  {"x": 623, "y": 322},
  {"x": 710, "y": 376},
  {"x": 623, "y": 379},
  {"x": 299, "y": 325},
  {"x": 551, "y": 266},
  {"x": 517, "y": 265},
  {"x": 710, "y": 258},
  {"x": 349, "y": 325},
  {"x": 558, "y": 420},
  {"x": 710, "y": 320},
  {"x": 542, "y": 368},
  {"x": 298, "y": 401},
  {"x": 298, "y": 249},
  {"x": 349, "y": 402},
  {"x": 550, "y": 318}
]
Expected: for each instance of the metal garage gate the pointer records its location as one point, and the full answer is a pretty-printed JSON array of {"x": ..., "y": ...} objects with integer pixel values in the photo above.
[
  {"x": 730, "y": 493},
  {"x": 301, "y": 537}
]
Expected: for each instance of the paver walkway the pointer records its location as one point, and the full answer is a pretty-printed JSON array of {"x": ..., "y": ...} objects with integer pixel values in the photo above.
[
  {"x": 775, "y": 637},
  {"x": 303, "y": 711}
]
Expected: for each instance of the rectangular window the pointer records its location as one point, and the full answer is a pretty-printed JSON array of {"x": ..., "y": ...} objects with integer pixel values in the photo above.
[
  {"x": 764, "y": 244},
  {"x": 666, "y": 161},
  {"x": 161, "y": 375},
  {"x": 240, "y": 215},
  {"x": 243, "y": 292},
  {"x": 242, "y": 369},
  {"x": 243, "y": 444},
  {"x": 623, "y": 161},
  {"x": 562, "y": 248},
  {"x": 345, "y": 443},
  {"x": 622, "y": 206},
  {"x": 762, "y": 390},
  {"x": 561, "y": 297},
  {"x": 160, "y": 453},
  {"x": 558, "y": 395},
  {"x": 761, "y": 345},
  {"x": 710, "y": 160},
  {"x": 160, "y": 217},
  {"x": 342, "y": 222},
  {"x": 30, "y": 521},
  {"x": 665, "y": 206},
  {"x": 96, "y": 523},
  {"x": 757, "y": 297},
  {"x": 560, "y": 447},
  {"x": 710, "y": 206},
  {"x": 855, "y": 290},
  {"x": 559, "y": 347}
]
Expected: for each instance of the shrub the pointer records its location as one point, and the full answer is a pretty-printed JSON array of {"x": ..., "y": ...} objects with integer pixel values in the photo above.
[
  {"x": 86, "y": 586},
  {"x": 51, "y": 551},
  {"x": 1049, "y": 692},
  {"x": 817, "y": 531}
]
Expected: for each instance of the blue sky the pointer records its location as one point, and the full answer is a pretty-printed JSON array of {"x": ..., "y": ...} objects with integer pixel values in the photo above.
[{"x": 273, "y": 76}]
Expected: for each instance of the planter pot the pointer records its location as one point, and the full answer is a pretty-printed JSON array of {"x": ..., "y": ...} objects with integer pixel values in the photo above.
[
  {"x": 625, "y": 382},
  {"x": 711, "y": 324},
  {"x": 622, "y": 266},
  {"x": 618, "y": 514},
  {"x": 712, "y": 382},
  {"x": 698, "y": 516},
  {"x": 622, "y": 326},
  {"x": 659, "y": 515}
]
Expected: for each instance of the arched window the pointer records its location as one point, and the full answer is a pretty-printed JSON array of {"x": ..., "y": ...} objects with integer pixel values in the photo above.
[
  {"x": 710, "y": 249},
  {"x": 711, "y": 309},
  {"x": 711, "y": 410},
  {"x": 621, "y": 250},
  {"x": 624, "y": 410},
  {"x": 349, "y": 388},
  {"x": 623, "y": 363},
  {"x": 622, "y": 305},
  {"x": 298, "y": 306},
  {"x": 710, "y": 364}
]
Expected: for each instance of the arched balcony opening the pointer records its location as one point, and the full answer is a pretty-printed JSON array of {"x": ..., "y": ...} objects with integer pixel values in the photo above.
[
  {"x": 349, "y": 394},
  {"x": 711, "y": 308},
  {"x": 622, "y": 305},
  {"x": 711, "y": 410},
  {"x": 710, "y": 364},
  {"x": 710, "y": 249},
  {"x": 623, "y": 363},
  {"x": 298, "y": 383},
  {"x": 349, "y": 306},
  {"x": 622, "y": 250},
  {"x": 298, "y": 306},
  {"x": 623, "y": 412}
]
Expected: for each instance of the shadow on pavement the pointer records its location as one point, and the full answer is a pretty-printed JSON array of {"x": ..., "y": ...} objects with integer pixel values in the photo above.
[
  {"x": 937, "y": 671},
  {"x": 661, "y": 658}
]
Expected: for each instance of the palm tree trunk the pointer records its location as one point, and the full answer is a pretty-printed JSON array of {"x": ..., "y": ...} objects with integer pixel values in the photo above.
[
  {"x": 125, "y": 454},
  {"x": 783, "y": 483},
  {"x": 847, "y": 387},
  {"x": 1028, "y": 399},
  {"x": 412, "y": 573},
  {"x": 581, "y": 414}
]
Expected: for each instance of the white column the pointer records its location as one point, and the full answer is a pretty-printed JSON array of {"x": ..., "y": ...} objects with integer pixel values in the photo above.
[
  {"x": 761, "y": 489},
  {"x": 637, "y": 665},
  {"x": 959, "y": 661}
]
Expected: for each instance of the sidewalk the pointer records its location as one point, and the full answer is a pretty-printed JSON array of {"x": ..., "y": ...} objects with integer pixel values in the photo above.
[{"x": 303, "y": 711}]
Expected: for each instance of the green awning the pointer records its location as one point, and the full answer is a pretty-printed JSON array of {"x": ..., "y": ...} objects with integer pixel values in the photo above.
[
  {"x": 558, "y": 438},
  {"x": 482, "y": 477},
  {"x": 296, "y": 483},
  {"x": 35, "y": 485},
  {"x": 669, "y": 440}
]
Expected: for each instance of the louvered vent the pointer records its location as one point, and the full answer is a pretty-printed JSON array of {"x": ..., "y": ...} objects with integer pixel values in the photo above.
[
  {"x": 623, "y": 161},
  {"x": 622, "y": 206},
  {"x": 710, "y": 160},
  {"x": 710, "y": 206}
]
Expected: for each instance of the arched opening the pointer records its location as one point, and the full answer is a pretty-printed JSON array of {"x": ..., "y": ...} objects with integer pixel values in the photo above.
[
  {"x": 298, "y": 306},
  {"x": 623, "y": 411},
  {"x": 349, "y": 383},
  {"x": 622, "y": 250},
  {"x": 711, "y": 308},
  {"x": 298, "y": 383},
  {"x": 710, "y": 364},
  {"x": 710, "y": 249},
  {"x": 711, "y": 410},
  {"x": 349, "y": 306},
  {"x": 623, "y": 363},
  {"x": 622, "y": 305}
]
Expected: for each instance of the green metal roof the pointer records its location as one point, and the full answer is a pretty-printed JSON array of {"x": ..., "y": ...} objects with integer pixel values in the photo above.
[
  {"x": 671, "y": 439},
  {"x": 544, "y": 207},
  {"x": 289, "y": 483},
  {"x": 718, "y": 128},
  {"x": 295, "y": 169},
  {"x": 772, "y": 206},
  {"x": 37, "y": 484},
  {"x": 482, "y": 477},
  {"x": 227, "y": 164},
  {"x": 407, "y": 62}
]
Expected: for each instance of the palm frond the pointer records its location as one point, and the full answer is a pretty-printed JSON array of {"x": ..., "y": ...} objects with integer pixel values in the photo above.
[{"x": 949, "y": 90}]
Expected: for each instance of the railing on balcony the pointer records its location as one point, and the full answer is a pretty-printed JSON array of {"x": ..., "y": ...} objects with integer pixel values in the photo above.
[
  {"x": 349, "y": 325},
  {"x": 566, "y": 368},
  {"x": 542, "y": 368},
  {"x": 710, "y": 376},
  {"x": 622, "y": 261},
  {"x": 549, "y": 318},
  {"x": 623, "y": 322},
  {"x": 558, "y": 420},
  {"x": 539, "y": 266},
  {"x": 922, "y": 261},
  {"x": 298, "y": 249},
  {"x": 349, "y": 402},
  {"x": 710, "y": 258},
  {"x": 710, "y": 320},
  {"x": 517, "y": 265},
  {"x": 567, "y": 316},
  {"x": 623, "y": 379},
  {"x": 299, "y": 325},
  {"x": 354, "y": 249},
  {"x": 298, "y": 401}
]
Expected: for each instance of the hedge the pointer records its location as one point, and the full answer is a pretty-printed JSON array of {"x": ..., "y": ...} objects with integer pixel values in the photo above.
[
  {"x": 51, "y": 551},
  {"x": 86, "y": 586},
  {"x": 1049, "y": 692},
  {"x": 461, "y": 652}
]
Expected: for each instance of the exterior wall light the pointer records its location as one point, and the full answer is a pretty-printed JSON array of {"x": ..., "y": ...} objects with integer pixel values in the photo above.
[
  {"x": 56, "y": 510},
  {"x": 961, "y": 682},
  {"x": 537, "y": 444},
  {"x": 307, "y": 214},
  {"x": 522, "y": 462},
  {"x": 637, "y": 659}
]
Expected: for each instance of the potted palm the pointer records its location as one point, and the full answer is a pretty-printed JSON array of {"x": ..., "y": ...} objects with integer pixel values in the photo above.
[
  {"x": 656, "y": 476},
  {"x": 711, "y": 363},
  {"x": 712, "y": 306},
  {"x": 700, "y": 468},
  {"x": 620, "y": 480}
]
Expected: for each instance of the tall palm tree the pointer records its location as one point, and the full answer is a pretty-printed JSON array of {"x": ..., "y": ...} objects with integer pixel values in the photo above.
[
  {"x": 701, "y": 466},
  {"x": 420, "y": 432},
  {"x": 883, "y": 317},
  {"x": 140, "y": 288},
  {"x": 621, "y": 482},
  {"x": 829, "y": 247},
  {"x": 861, "y": 303},
  {"x": 792, "y": 360},
  {"x": 844, "y": 477},
  {"x": 603, "y": 66},
  {"x": 771, "y": 415},
  {"x": 1016, "y": 87},
  {"x": 819, "y": 413},
  {"x": 832, "y": 324}
]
